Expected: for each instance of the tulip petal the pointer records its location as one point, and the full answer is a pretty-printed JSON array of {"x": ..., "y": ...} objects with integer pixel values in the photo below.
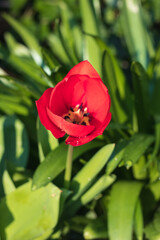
[
  {"x": 42, "y": 104},
  {"x": 97, "y": 99},
  {"x": 83, "y": 140},
  {"x": 70, "y": 128},
  {"x": 67, "y": 94},
  {"x": 83, "y": 68}
]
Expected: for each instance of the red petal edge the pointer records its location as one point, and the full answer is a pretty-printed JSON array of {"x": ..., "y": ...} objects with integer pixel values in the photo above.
[
  {"x": 70, "y": 128},
  {"x": 83, "y": 68},
  {"x": 42, "y": 104},
  {"x": 83, "y": 140}
]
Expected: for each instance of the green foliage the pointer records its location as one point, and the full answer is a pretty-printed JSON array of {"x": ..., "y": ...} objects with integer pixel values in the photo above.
[
  {"x": 121, "y": 212},
  {"x": 114, "y": 191}
]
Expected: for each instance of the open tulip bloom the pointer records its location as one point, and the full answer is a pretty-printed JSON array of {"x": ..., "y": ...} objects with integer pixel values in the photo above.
[{"x": 79, "y": 106}]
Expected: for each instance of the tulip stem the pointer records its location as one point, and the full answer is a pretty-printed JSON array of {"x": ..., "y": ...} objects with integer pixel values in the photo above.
[{"x": 68, "y": 171}]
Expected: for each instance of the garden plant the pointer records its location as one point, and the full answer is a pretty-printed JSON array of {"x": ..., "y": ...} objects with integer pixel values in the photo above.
[{"x": 80, "y": 119}]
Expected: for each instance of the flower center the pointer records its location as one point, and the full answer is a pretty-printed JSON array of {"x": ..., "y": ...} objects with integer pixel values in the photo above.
[{"x": 77, "y": 115}]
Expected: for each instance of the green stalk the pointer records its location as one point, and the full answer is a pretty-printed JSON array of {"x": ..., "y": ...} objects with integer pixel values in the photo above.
[{"x": 68, "y": 171}]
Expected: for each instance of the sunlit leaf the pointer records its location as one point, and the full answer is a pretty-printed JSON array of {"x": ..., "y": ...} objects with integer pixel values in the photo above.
[
  {"x": 90, "y": 25},
  {"x": 121, "y": 209},
  {"x": 55, "y": 162},
  {"x": 84, "y": 177},
  {"x": 137, "y": 38},
  {"x": 27, "y": 214},
  {"x": 27, "y": 37}
]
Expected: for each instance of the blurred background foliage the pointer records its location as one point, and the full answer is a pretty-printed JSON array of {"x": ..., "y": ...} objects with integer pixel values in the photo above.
[{"x": 40, "y": 41}]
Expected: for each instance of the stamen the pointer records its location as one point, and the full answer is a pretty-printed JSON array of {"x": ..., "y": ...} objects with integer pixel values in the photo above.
[
  {"x": 66, "y": 117},
  {"x": 86, "y": 114},
  {"x": 81, "y": 106},
  {"x": 78, "y": 116}
]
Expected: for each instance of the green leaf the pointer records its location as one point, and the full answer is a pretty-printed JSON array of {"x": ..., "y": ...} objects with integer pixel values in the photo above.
[
  {"x": 96, "y": 229},
  {"x": 139, "y": 169},
  {"x": 87, "y": 174},
  {"x": 67, "y": 34},
  {"x": 152, "y": 230},
  {"x": 27, "y": 37},
  {"x": 121, "y": 209},
  {"x": 116, "y": 156},
  {"x": 90, "y": 25},
  {"x": 157, "y": 142},
  {"x": 46, "y": 141},
  {"x": 137, "y": 38},
  {"x": 141, "y": 93},
  {"x": 99, "y": 186},
  {"x": 138, "y": 225},
  {"x": 155, "y": 189},
  {"x": 29, "y": 69},
  {"x": 115, "y": 82},
  {"x": 7, "y": 183},
  {"x": 14, "y": 141},
  {"x": 49, "y": 60},
  {"x": 58, "y": 49},
  {"x": 27, "y": 214},
  {"x": 55, "y": 162},
  {"x": 137, "y": 146}
]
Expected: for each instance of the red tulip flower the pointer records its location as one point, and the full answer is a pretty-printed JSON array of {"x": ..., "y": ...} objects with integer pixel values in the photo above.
[{"x": 79, "y": 106}]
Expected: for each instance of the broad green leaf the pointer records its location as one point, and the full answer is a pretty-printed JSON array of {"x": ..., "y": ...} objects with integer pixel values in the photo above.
[
  {"x": 96, "y": 229},
  {"x": 87, "y": 174},
  {"x": 121, "y": 209},
  {"x": 55, "y": 162},
  {"x": 141, "y": 94},
  {"x": 137, "y": 38},
  {"x": 137, "y": 146},
  {"x": 152, "y": 230},
  {"x": 14, "y": 142},
  {"x": 112, "y": 76},
  {"x": 138, "y": 222},
  {"x": 27, "y": 214},
  {"x": 99, "y": 186},
  {"x": 27, "y": 37},
  {"x": 90, "y": 25},
  {"x": 46, "y": 141},
  {"x": 116, "y": 156}
]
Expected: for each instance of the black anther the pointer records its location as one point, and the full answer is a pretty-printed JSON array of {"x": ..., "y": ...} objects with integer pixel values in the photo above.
[
  {"x": 86, "y": 114},
  {"x": 66, "y": 117}
]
